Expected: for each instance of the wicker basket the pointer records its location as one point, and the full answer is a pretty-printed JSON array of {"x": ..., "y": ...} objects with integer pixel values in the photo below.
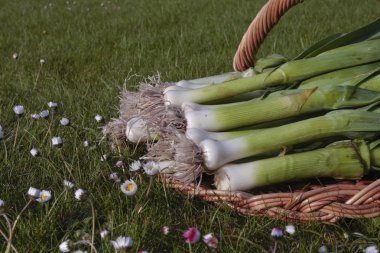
[{"x": 326, "y": 201}]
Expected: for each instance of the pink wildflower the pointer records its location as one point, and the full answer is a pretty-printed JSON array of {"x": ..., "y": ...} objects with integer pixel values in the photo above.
[{"x": 192, "y": 235}]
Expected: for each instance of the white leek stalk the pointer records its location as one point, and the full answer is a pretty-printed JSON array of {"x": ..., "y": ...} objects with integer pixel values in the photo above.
[
  {"x": 340, "y": 160},
  {"x": 215, "y": 154},
  {"x": 279, "y": 105}
]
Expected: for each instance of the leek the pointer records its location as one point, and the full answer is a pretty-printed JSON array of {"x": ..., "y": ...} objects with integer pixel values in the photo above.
[
  {"x": 340, "y": 160},
  {"x": 282, "y": 105},
  {"x": 341, "y": 122},
  {"x": 297, "y": 70}
]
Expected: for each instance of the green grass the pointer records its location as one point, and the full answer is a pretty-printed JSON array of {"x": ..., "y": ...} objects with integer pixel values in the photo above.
[{"x": 92, "y": 49}]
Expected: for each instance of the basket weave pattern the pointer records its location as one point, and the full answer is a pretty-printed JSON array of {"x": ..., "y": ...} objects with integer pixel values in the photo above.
[{"x": 323, "y": 203}]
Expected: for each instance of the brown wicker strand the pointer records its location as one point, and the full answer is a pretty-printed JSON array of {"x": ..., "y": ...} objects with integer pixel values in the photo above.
[
  {"x": 361, "y": 196},
  {"x": 322, "y": 203},
  {"x": 265, "y": 19}
]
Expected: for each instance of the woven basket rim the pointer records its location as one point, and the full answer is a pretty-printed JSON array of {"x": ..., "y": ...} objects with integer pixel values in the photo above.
[{"x": 343, "y": 199}]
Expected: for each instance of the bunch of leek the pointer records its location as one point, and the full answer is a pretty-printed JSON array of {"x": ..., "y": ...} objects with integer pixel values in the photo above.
[{"x": 211, "y": 124}]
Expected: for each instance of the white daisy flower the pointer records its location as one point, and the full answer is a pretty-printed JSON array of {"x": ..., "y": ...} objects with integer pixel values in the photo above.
[
  {"x": 42, "y": 61},
  {"x": 15, "y": 56},
  {"x": 19, "y": 110},
  {"x": 151, "y": 168},
  {"x": 129, "y": 187},
  {"x": 44, "y": 114},
  {"x": 79, "y": 194},
  {"x": 79, "y": 251},
  {"x": 34, "y": 192},
  {"x": 35, "y": 116},
  {"x": 104, "y": 233},
  {"x": 113, "y": 176},
  {"x": 165, "y": 230},
  {"x": 122, "y": 242},
  {"x": 210, "y": 240},
  {"x": 2, "y": 203},
  {"x": 85, "y": 144},
  {"x": 135, "y": 165},
  {"x": 56, "y": 140},
  {"x": 68, "y": 184},
  {"x": 64, "y": 121},
  {"x": 371, "y": 249},
  {"x": 290, "y": 229},
  {"x": 52, "y": 104},
  {"x": 65, "y": 246},
  {"x": 98, "y": 118},
  {"x": 44, "y": 196},
  {"x": 322, "y": 249},
  {"x": 34, "y": 152}
]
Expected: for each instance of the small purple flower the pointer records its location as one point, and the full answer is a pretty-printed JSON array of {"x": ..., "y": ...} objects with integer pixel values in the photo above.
[
  {"x": 119, "y": 164},
  {"x": 276, "y": 232}
]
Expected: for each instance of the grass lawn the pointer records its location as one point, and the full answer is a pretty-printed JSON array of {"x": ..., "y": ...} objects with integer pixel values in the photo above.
[{"x": 91, "y": 50}]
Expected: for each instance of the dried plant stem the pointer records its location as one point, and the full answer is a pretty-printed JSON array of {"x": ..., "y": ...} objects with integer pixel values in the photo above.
[
  {"x": 7, "y": 220},
  {"x": 11, "y": 232}
]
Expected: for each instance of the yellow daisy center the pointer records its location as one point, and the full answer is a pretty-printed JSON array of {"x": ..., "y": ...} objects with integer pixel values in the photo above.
[{"x": 129, "y": 187}]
